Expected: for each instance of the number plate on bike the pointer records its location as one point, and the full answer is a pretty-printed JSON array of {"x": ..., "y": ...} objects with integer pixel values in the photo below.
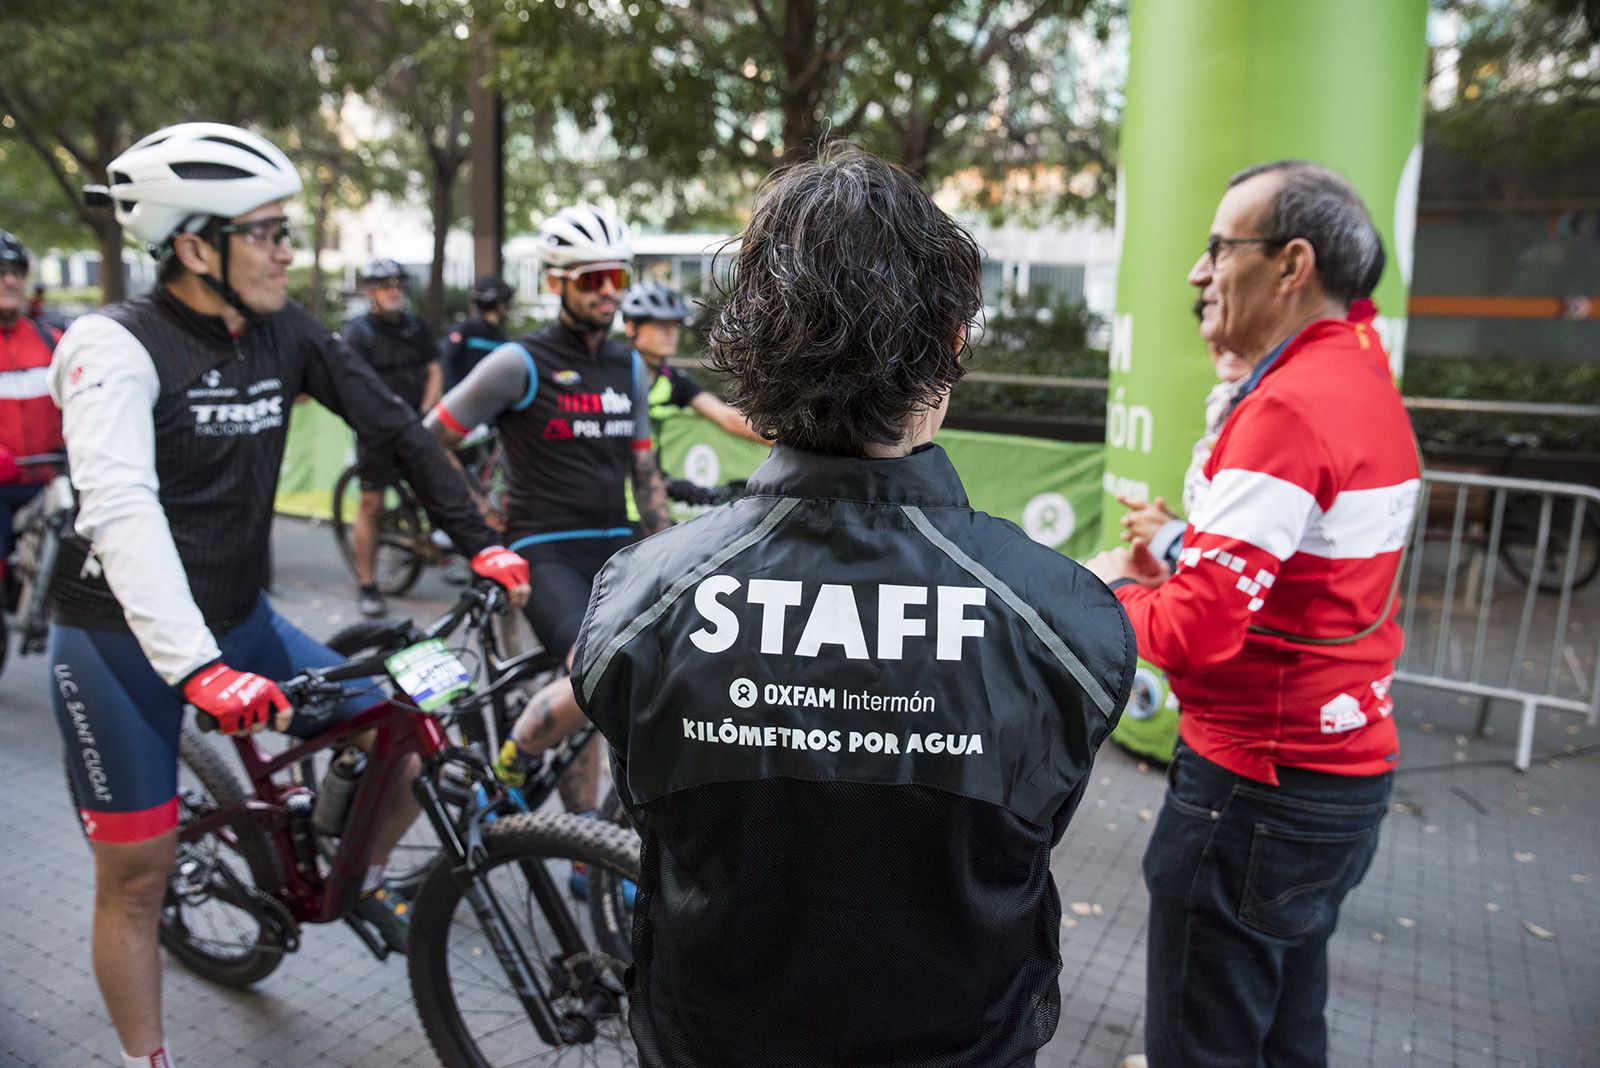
[{"x": 429, "y": 674}]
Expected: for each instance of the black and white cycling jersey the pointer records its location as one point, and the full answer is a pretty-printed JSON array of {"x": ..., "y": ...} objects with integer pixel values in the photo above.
[{"x": 175, "y": 432}]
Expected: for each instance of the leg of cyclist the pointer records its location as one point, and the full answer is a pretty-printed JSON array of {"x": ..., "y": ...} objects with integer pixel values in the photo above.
[
  {"x": 120, "y": 722},
  {"x": 130, "y": 883},
  {"x": 562, "y": 573},
  {"x": 291, "y": 650},
  {"x": 377, "y": 472}
]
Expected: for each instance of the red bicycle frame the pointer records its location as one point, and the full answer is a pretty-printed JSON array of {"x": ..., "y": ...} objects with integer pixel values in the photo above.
[{"x": 312, "y": 896}]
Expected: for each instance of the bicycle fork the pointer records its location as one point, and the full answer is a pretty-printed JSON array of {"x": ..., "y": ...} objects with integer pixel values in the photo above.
[{"x": 469, "y": 857}]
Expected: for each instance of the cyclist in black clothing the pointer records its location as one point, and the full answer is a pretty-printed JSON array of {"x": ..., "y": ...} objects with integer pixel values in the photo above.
[
  {"x": 570, "y": 407},
  {"x": 473, "y": 338},
  {"x": 175, "y": 407},
  {"x": 398, "y": 346},
  {"x": 849, "y": 714}
]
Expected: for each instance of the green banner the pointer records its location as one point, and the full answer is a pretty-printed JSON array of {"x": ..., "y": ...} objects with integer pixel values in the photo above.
[
  {"x": 1049, "y": 488},
  {"x": 1215, "y": 86},
  {"x": 319, "y": 448}
]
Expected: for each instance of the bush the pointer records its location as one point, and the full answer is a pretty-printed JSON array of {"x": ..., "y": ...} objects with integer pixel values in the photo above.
[
  {"x": 1036, "y": 339},
  {"x": 1499, "y": 379}
]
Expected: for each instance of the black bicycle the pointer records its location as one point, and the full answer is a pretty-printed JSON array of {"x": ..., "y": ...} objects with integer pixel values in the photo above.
[{"x": 407, "y": 541}]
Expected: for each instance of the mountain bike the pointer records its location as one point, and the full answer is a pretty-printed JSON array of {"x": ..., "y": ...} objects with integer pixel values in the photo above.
[
  {"x": 38, "y": 525},
  {"x": 407, "y": 541},
  {"x": 505, "y": 965}
]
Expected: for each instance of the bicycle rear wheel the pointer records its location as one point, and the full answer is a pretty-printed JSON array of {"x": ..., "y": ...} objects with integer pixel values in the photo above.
[
  {"x": 218, "y": 919},
  {"x": 462, "y": 924},
  {"x": 398, "y": 564}
]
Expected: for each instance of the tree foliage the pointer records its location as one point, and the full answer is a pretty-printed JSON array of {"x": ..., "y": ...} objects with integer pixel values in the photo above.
[
  {"x": 1520, "y": 81},
  {"x": 720, "y": 91},
  {"x": 84, "y": 79}
]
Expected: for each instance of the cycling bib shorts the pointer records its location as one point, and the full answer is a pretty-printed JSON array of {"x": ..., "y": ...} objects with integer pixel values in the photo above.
[
  {"x": 120, "y": 721},
  {"x": 562, "y": 573}
]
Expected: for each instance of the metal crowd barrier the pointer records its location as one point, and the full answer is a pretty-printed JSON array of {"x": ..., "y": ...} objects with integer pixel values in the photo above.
[{"x": 1500, "y": 598}]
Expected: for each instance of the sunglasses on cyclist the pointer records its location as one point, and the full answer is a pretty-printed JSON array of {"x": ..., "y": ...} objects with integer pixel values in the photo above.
[
  {"x": 11, "y": 270},
  {"x": 273, "y": 230},
  {"x": 387, "y": 283},
  {"x": 593, "y": 279}
]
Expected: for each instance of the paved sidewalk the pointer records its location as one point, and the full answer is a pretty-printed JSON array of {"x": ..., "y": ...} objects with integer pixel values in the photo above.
[{"x": 1472, "y": 942}]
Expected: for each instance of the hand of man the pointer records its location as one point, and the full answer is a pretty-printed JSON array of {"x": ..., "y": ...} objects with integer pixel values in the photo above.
[
  {"x": 240, "y": 701},
  {"x": 505, "y": 567},
  {"x": 1136, "y": 562},
  {"x": 1144, "y": 518}
]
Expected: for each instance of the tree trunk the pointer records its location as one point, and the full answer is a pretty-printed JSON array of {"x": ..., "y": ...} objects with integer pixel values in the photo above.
[
  {"x": 317, "y": 298},
  {"x": 108, "y": 237},
  {"x": 106, "y": 131},
  {"x": 445, "y": 170}
]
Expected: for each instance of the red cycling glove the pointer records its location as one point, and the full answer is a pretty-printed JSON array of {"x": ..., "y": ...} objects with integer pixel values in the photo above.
[
  {"x": 9, "y": 472},
  {"x": 502, "y": 565},
  {"x": 238, "y": 700}
]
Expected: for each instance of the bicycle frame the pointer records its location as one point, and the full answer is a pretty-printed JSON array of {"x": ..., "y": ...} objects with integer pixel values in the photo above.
[{"x": 313, "y": 897}]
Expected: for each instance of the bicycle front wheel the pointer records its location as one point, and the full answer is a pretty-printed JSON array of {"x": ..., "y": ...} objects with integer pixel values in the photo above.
[
  {"x": 518, "y": 906},
  {"x": 398, "y": 563}
]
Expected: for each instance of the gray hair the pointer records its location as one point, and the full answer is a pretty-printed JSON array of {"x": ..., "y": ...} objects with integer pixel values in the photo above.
[{"x": 1322, "y": 207}]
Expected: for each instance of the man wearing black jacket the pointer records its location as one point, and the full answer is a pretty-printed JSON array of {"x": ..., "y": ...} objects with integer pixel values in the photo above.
[
  {"x": 849, "y": 714},
  {"x": 399, "y": 347},
  {"x": 175, "y": 408}
]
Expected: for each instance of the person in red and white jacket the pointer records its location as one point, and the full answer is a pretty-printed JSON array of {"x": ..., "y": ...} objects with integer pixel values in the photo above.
[
  {"x": 1278, "y": 630},
  {"x": 30, "y": 424}
]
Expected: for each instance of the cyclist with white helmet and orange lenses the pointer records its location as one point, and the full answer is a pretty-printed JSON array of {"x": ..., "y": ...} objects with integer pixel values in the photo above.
[{"x": 569, "y": 404}]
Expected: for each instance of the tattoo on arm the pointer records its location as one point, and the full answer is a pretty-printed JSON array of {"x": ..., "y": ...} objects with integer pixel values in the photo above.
[
  {"x": 580, "y": 785},
  {"x": 650, "y": 493}
]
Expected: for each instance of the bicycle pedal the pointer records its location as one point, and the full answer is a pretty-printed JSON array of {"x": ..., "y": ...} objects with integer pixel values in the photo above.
[{"x": 369, "y": 936}]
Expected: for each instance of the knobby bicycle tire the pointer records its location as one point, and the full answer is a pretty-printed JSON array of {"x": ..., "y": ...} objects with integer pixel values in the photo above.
[
  {"x": 237, "y": 961},
  {"x": 464, "y": 997},
  {"x": 397, "y": 565}
]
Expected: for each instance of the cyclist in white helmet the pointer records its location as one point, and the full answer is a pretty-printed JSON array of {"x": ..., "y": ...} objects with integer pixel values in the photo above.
[
  {"x": 569, "y": 403},
  {"x": 175, "y": 407}
]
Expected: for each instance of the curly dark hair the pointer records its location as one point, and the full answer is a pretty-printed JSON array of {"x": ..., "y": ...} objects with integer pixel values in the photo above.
[{"x": 850, "y": 290}]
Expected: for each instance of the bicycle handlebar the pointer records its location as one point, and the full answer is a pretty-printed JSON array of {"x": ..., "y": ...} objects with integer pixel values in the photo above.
[{"x": 325, "y": 685}]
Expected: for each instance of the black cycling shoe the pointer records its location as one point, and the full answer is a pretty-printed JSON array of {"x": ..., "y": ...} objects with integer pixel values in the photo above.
[
  {"x": 371, "y": 603},
  {"x": 390, "y": 913}
]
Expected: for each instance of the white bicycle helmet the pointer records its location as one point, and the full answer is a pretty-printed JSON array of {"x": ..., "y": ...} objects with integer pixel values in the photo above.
[
  {"x": 180, "y": 176},
  {"x": 582, "y": 234}
]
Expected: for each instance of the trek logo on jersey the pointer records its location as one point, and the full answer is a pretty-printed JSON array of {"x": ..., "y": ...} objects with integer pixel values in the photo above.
[
  {"x": 608, "y": 403},
  {"x": 230, "y": 420},
  {"x": 565, "y": 378},
  {"x": 833, "y": 617}
]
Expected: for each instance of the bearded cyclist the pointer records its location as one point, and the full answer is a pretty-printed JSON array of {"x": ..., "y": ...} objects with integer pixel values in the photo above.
[
  {"x": 570, "y": 407},
  {"x": 175, "y": 408}
]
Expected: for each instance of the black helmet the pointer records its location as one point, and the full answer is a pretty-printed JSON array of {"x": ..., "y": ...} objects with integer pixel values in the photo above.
[
  {"x": 488, "y": 291},
  {"x": 12, "y": 252},
  {"x": 654, "y": 301},
  {"x": 382, "y": 268}
]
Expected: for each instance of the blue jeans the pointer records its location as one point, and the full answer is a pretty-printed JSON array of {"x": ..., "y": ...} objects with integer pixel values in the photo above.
[
  {"x": 1245, "y": 885},
  {"x": 13, "y": 495}
]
